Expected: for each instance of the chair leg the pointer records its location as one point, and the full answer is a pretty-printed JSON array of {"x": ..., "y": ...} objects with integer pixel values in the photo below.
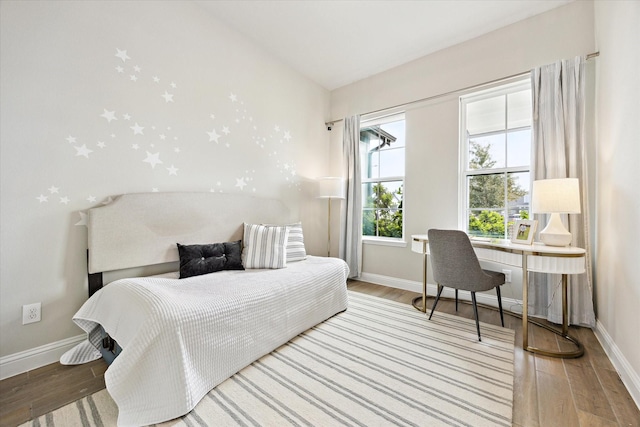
[
  {"x": 475, "y": 311},
  {"x": 440, "y": 287},
  {"x": 456, "y": 300},
  {"x": 500, "y": 305}
]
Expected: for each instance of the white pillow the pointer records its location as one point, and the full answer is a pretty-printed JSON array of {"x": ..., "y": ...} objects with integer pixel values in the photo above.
[
  {"x": 264, "y": 246},
  {"x": 295, "y": 244}
]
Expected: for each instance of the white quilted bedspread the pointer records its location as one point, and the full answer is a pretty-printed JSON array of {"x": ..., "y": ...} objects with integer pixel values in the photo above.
[{"x": 181, "y": 338}]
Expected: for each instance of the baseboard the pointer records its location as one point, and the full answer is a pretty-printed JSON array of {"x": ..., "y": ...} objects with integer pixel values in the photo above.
[
  {"x": 409, "y": 285},
  {"x": 629, "y": 377},
  {"x": 34, "y": 358}
]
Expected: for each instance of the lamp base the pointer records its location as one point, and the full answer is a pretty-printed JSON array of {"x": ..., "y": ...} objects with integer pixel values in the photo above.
[{"x": 555, "y": 234}]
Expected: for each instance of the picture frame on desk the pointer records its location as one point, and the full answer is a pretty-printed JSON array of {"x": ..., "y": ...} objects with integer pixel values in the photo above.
[{"x": 523, "y": 231}]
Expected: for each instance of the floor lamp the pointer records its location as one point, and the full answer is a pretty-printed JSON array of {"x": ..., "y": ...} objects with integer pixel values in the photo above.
[{"x": 330, "y": 188}]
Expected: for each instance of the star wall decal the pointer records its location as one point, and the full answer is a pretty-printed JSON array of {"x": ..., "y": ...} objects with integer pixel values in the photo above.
[
  {"x": 155, "y": 190},
  {"x": 83, "y": 151},
  {"x": 119, "y": 69},
  {"x": 126, "y": 116},
  {"x": 64, "y": 200},
  {"x": 136, "y": 68},
  {"x": 133, "y": 78},
  {"x": 233, "y": 97},
  {"x": 213, "y": 136},
  {"x": 122, "y": 54},
  {"x": 287, "y": 135},
  {"x": 173, "y": 85},
  {"x": 168, "y": 97},
  {"x": 71, "y": 139},
  {"x": 226, "y": 130},
  {"x": 109, "y": 115},
  {"x": 135, "y": 146},
  {"x": 101, "y": 144},
  {"x": 137, "y": 129},
  {"x": 153, "y": 159},
  {"x": 91, "y": 199},
  {"x": 42, "y": 198},
  {"x": 156, "y": 79},
  {"x": 173, "y": 170},
  {"x": 53, "y": 189},
  {"x": 240, "y": 183},
  {"x": 177, "y": 149}
]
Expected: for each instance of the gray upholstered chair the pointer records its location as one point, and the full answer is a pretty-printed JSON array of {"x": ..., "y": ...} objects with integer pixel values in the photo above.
[{"x": 455, "y": 265}]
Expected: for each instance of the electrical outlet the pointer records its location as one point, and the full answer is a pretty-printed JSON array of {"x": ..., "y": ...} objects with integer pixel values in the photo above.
[
  {"x": 31, "y": 313},
  {"x": 507, "y": 276}
]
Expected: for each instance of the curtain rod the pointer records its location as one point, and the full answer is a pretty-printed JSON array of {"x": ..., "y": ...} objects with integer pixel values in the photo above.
[{"x": 464, "y": 89}]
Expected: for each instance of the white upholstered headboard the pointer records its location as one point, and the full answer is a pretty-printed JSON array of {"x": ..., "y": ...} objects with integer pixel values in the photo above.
[{"x": 142, "y": 229}]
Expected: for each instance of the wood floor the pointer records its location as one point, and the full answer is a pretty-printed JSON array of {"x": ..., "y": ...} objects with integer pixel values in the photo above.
[{"x": 547, "y": 391}]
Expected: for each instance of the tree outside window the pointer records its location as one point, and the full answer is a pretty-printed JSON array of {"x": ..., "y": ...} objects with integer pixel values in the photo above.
[
  {"x": 382, "y": 157},
  {"x": 497, "y": 133}
]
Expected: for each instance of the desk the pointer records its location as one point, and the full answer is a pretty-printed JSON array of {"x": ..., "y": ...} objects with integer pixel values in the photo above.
[{"x": 531, "y": 258}]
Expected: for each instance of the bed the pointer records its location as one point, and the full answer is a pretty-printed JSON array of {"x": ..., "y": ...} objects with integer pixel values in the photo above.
[{"x": 180, "y": 337}]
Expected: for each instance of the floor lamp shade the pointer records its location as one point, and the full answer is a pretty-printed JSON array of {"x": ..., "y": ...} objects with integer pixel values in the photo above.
[
  {"x": 555, "y": 197},
  {"x": 330, "y": 188}
]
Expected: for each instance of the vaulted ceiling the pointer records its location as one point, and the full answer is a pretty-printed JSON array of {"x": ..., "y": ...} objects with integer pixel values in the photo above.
[{"x": 335, "y": 43}]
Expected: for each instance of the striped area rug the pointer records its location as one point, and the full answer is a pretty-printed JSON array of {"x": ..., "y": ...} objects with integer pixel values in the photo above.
[{"x": 380, "y": 363}]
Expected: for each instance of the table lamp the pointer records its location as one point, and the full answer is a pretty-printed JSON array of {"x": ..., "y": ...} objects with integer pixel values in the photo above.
[
  {"x": 555, "y": 196},
  {"x": 330, "y": 188}
]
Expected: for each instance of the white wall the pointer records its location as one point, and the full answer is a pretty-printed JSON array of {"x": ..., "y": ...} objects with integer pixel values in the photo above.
[
  {"x": 618, "y": 178},
  {"x": 431, "y": 185},
  {"x": 59, "y": 75}
]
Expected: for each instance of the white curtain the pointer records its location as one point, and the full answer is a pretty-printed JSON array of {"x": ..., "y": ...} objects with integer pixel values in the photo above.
[
  {"x": 351, "y": 220},
  {"x": 559, "y": 151}
]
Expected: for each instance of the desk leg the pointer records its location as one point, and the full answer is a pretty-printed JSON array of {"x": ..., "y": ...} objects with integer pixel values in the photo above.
[
  {"x": 565, "y": 321},
  {"x": 525, "y": 303},
  {"x": 423, "y": 307},
  {"x": 424, "y": 278},
  {"x": 565, "y": 314}
]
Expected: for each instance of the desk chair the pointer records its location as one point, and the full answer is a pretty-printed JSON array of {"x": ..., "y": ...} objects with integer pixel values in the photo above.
[{"x": 456, "y": 265}]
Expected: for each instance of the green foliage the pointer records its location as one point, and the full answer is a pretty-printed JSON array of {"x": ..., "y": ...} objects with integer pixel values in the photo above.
[
  {"x": 487, "y": 224},
  {"x": 487, "y": 192},
  {"x": 385, "y": 220}
]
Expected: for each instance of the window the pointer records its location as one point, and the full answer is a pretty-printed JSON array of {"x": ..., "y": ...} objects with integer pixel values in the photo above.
[
  {"x": 495, "y": 140},
  {"x": 382, "y": 147}
]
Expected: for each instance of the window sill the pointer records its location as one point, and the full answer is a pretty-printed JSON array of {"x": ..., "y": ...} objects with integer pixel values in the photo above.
[{"x": 381, "y": 241}]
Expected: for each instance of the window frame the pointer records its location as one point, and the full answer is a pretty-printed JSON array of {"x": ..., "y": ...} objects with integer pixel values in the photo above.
[
  {"x": 504, "y": 88},
  {"x": 380, "y": 120}
]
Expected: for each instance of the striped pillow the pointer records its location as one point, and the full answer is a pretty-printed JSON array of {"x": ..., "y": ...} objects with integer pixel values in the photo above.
[
  {"x": 295, "y": 244},
  {"x": 264, "y": 246}
]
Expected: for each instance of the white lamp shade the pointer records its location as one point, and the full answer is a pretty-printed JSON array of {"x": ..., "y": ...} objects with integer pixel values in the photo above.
[
  {"x": 330, "y": 188},
  {"x": 556, "y": 196}
]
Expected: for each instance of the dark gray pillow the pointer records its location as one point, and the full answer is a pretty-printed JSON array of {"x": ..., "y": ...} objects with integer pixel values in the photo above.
[{"x": 203, "y": 259}]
